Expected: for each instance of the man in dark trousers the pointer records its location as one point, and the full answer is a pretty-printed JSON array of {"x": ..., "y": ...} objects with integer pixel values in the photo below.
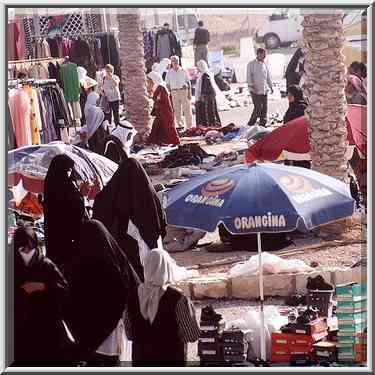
[
  {"x": 201, "y": 39},
  {"x": 259, "y": 83}
]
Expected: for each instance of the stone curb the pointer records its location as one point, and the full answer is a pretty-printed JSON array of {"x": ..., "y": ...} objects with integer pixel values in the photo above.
[{"x": 275, "y": 285}]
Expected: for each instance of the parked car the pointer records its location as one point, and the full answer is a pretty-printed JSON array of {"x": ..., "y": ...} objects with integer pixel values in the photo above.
[
  {"x": 281, "y": 27},
  {"x": 284, "y": 26}
]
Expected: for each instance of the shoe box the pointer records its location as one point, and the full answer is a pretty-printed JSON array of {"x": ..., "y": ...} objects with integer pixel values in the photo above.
[
  {"x": 316, "y": 326},
  {"x": 230, "y": 346},
  {"x": 325, "y": 351},
  {"x": 352, "y": 322},
  {"x": 235, "y": 345},
  {"x": 286, "y": 345}
]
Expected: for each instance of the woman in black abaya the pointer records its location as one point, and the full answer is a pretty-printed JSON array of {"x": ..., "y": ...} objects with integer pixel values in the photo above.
[
  {"x": 40, "y": 290},
  {"x": 64, "y": 209},
  {"x": 131, "y": 210},
  {"x": 101, "y": 284}
]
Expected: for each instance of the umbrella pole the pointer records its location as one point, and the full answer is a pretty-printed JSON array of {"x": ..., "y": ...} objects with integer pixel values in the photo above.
[{"x": 261, "y": 294}]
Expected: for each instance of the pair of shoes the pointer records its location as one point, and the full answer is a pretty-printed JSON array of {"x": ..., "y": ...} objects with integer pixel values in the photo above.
[
  {"x": 287, "y": 328},
  {"x": 309, "y": 315},
  {"x": 295, "y": 300},
  {"x": 209, "y": 314},
  {"x": 318, "y": 283}
]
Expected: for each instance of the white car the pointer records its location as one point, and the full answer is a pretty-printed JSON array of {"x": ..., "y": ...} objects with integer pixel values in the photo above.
[{"x": 284, "y": 26}]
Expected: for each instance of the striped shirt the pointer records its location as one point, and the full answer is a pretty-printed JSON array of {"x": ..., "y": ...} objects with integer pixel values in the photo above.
[{"x": 188, "y": 328}]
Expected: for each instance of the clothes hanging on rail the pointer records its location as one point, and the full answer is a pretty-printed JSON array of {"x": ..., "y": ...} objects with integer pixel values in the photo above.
[
  {"x": 36, "y": 122},
  {"x": 69, "y": 76},
  {"x": 20, "y": 111},
  {"x": 12, "y": 144},
  {"x": 41, "y": 48}
]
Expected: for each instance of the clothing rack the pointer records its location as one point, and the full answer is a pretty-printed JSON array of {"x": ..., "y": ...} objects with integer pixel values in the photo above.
[
  {"x": 15, "y": 62},
  {"x": 31, "y": 81}
]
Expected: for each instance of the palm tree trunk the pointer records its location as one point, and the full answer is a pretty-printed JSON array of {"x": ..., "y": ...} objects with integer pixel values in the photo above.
[
  {"x": 133, "y": 70},
  {"x": 325, "y": 90}
]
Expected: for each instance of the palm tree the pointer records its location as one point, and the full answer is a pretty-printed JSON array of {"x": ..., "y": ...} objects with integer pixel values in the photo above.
[
  {"x": 133, "y": 70},
  {"x": 325, "y": 90}
]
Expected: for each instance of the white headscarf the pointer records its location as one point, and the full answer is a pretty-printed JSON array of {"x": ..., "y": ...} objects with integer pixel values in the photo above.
[
  {"x": 93, "y": 114},
  {"x": 221, "y": 101},
  {"x": 158, "y": 271},
  {"x": 125, "y": 132},
  {"x": 156, "y": 78},
  {"x": 162, "y": 67}
]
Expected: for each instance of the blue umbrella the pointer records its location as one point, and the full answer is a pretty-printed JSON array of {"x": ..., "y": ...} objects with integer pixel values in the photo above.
[{"x": 258, "y": 198}]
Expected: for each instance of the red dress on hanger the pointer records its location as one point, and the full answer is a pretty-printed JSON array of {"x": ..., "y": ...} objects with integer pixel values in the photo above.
[{"x": 163, "y": 129}]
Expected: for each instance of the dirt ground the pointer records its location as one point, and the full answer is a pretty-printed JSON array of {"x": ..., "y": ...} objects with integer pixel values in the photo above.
[{"x": 211, "y": 256}]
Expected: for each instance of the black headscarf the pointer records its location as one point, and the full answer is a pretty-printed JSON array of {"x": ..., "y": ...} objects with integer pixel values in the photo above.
[
  {"x": 297, "y": 107},
  {"x": 290, "y": 74},
  {"x": 130, "y": 195},
  {"x": 101, "y": 283},
  {"x": 23, "y": 237},
  {"x": 64, "y": 209}
]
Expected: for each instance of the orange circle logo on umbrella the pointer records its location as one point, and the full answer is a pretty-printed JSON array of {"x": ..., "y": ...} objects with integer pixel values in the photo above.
[
  {"x": 296, "y": 184},
  {"x": 217, "y": 187}
]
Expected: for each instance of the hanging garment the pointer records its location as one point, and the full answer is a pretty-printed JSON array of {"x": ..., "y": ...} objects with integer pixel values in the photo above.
[
  {"x": 42, "y": 111},
  {"x": 60, "y": 106},
  {"x": 109, "y": 50},
  {"x": 36, "y": 122},
  {"x": 12, "y": 144},
  {"x": 13, "y": 37},
  {"x": 20, "y": 111},
  {"x": 80, "y": 53},
  {"x": 38, "y": 71},
  {"x": 28, "y": 43},
  {"x": 51, "y": 131},
  {"x": 75, "y": 110},
  {"x": 53, "y": 72},
  {"x": 41, "y": 49},
  {"x": 128, "y": 204},
  {"x": 163, "y": 128},
  {"x": 54, "y": 48},
  {"x": 98, "y": 53},
  {"x": 69, "y": 76}
]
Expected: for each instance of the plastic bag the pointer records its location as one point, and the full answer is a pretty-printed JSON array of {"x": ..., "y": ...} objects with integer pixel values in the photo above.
[
  {"x": 272, "y": 322},
  {"x": 272, "y": 264}
]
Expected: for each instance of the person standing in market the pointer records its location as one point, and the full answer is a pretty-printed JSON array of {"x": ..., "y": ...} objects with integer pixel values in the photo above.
[
  {"x": 111, "y": 90},
  {"x": 178, "y": 83},
  {"x": 131, "y": 210},
  {"x": 64, "y": 209},
  {"x": 167, "y": 44},
  {"x": 162, "y": 312},
  {"x": 117, "y": 144},
  {"x": 206, "y": 93},
  {"x": 201, "y": 39},
  {"x": 163, "y": 128},
  {"x": 259, "y": 83},
  {"x": 40, "y": 293}
]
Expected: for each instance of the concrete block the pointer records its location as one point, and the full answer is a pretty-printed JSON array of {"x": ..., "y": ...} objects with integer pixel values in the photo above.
[
  {"x": 301, "y": 279},
  {"x": 278, "y": 285},
  {"x": 349, "y": 275},
  {"x": 210, "y": 288},
  {"x": 245, "y": 287}
]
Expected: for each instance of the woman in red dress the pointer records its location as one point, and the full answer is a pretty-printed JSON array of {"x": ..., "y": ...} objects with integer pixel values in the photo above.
[{"x": 163, "y": 129}]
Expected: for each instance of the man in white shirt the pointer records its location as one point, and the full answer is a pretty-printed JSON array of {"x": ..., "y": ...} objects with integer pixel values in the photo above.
[
  {"x": 259, "y": 82},
  {"x": 178, "y": 83}
]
